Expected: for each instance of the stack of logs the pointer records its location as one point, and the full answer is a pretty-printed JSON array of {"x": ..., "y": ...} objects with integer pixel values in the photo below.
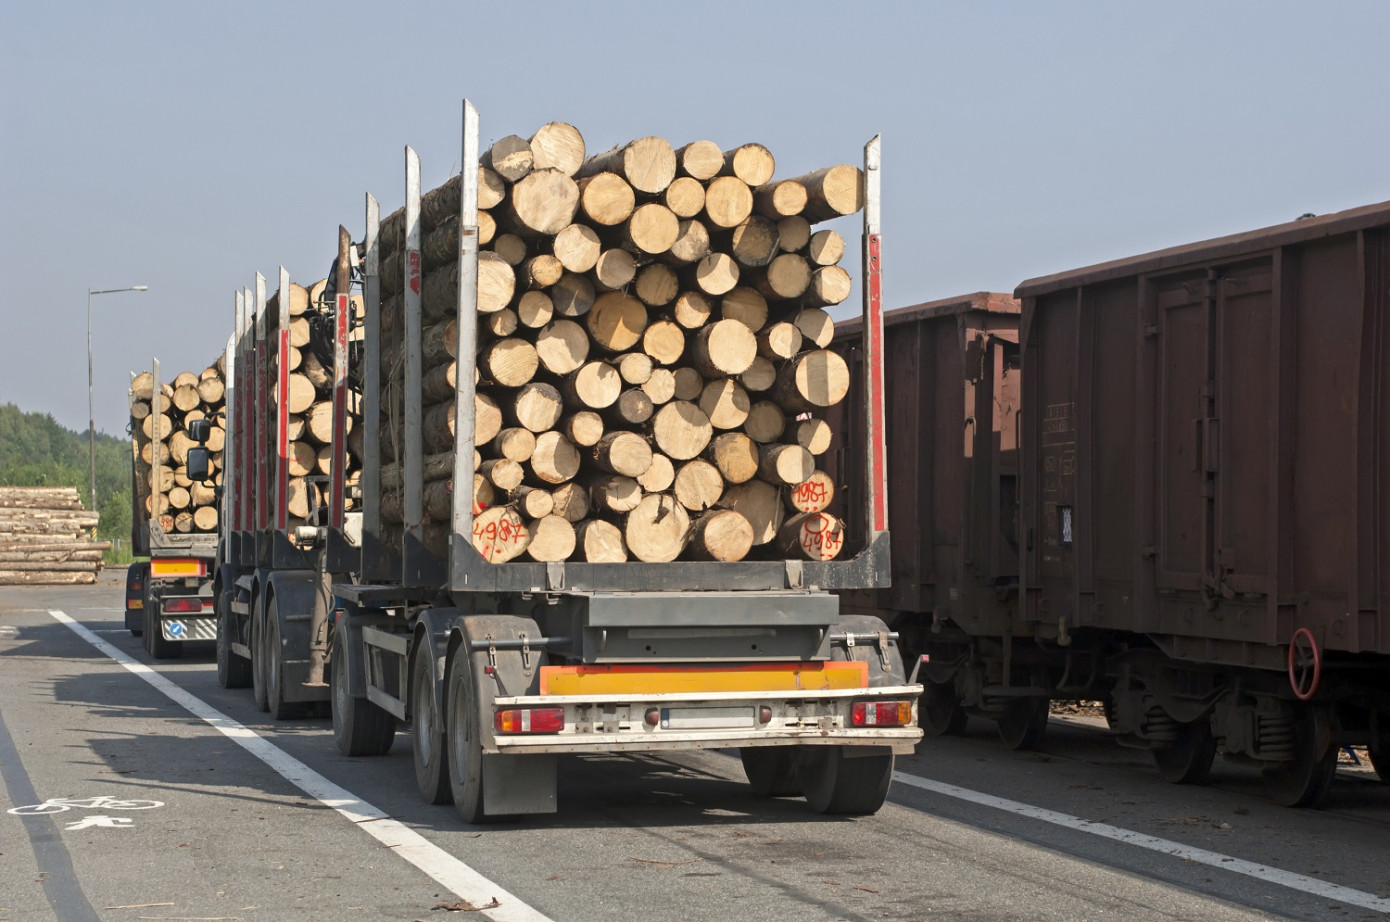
[
  {"x": 310, "y": 400},
  {"x": 160, "y": 443},
  {"x": 45, "y": 538},
  {"x": 651, "y": 352}
]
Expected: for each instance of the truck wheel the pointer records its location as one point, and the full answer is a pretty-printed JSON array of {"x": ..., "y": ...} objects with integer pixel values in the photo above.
[
  {"x": 1188, "y": 759},
  {"x": 360, "y": 728},
  {"x": 258, "y": 674},
  {"x": 232, "y": 671},
  {"x": 771, "y": 770},
  {"x": 279, "y": 708},
  {"x": 154, "y": 636},
  {"x": 465, "y": 746},
  {"x": 431, "y": 749},
  {"x": 838, "y": 784}
]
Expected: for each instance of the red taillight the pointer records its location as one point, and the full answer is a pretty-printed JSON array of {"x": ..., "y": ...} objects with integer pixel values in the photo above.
[
  {"x": 183, "y": 605},
  {"x": 529, "y": 720},
  {"x": 881, "y": 714}
]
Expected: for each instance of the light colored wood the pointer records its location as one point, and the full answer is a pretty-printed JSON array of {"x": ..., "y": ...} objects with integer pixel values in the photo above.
[
  {"x": 721, "y": 534},
  {"x": 552, "y": 539},
  {"x": 559, "y": 146},
  {"x": 541, "y": 203},
  {"x": 555, "y": 459},
  {"x": 691, "y": 245},
  {"x": 573, "y": 295},
  {"x": 318, "y": 422},
  {"x": 716, "y": 274},
  {"x": 142, "y": 386},
  {"x": 139, "y": 409},
  {"x": 685, "y": 196},
  {"x": 155, "y": 453},
  {"x": 614, "y": 270},
  {"x": 211, "y": 389},
  {"x": 303, "y": 459},
  {"x": 484, "y": 494},
  {"x": 760, "y": 503},
  {"x": 510, "y": 157},
  {"x": 301, "y": 393},
  {"x": 299, "y": 332},
  {"x": 439, "y": 466},
  {"x": 814, "y": 435},
  {"x": 298, "y": 498},
  {"x": 577, "y": 247},
  {"x": 45, "y": 578},
  {"x": 571, "y": 501},
  {"x": 766, "y": 422},
  {"x": 655, "y": 532},
  {"x": 760, "y": 376},
  {"x": 691, "y": 310},
  {"x": 829, "y": 285},
  {"x": 811, "y": 536},
  {"x": 584, "y": 428},
  {"x": 179, "y": 443},
  {"x": 600, "y": 542},
  {"x": 595, "y": 385},
  {"x": 787, "y": 277},
  {"x": 510, "y": 247},
  {"x": 502, "y": 323},
  {"x": 633, "y": 407},
  {"x": 562, "y": 347},
  {"x": 786, "y": 464},
  {"x": 779, "y": 341},
  {"x": 658, "y": 476},
  {"x": 754, "y": 242},
  {"x": 657, "y": 285},
  {"x": 510, "y": 362},
  {"x": 781, "y": 199},
  {"x": 813, "y": 380},
  {"x": 816, "y": 326},
  {"x": 826, "y": 248},
  {"x": 689, "y": 384},
  {"x": 752, "y": 163},
  {"x": 624, "y": 453},
  {"x": 311, "y": 368},
  {"x": 491, "y": 189},
  {"x": 503, "y": 473},
  {"x": 533, "y": 503},
  {"x": 540, "y": 271},
  {"x": 725, "y": 347},
  {"x": 179, "y": 498},
  {"x": 537, "y": 407},
  {"x": 700, "y": 160},
  {"x": 735, "y": 456},
  {"x": 186, "y": 396},
  {"x": 833, "y": 192},
  {"x": 606, "y": 199},
  {"x": 515, "y": 444},
  {"x": 648, "y": 164},
  {"x": 814, "y": 494},
  {"x": 439, "y": 343},
  {"x": 681, "y": 430},
  {"x": 746, "y": 306},
  {"x": 614, "y": 493},
  {"x": 634, "y": 367},
  {"x": 487, "y": 418},
  {"x": 728, "y": 201},
  {"x": 664, "y": 342},
  {"x": 793, "y": 234},
  {"x": 616, "y": 321},
  {"x": 660, "y": 386},
  {"x": 499, "y": 534},
  {"x": 534, "y": 309},
  {"x": 323, "y": 463},
  {"x": 294, "y": 426},
  {"x": 725, "y": 403},
  {"x": 652, "y": 229}
]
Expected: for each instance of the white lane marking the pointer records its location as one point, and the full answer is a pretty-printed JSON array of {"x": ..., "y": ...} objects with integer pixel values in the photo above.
[
  {"x": 462, "y": 880},
  {"x": 102, "y": 822},
  {"x": 1310, "y": 885}
]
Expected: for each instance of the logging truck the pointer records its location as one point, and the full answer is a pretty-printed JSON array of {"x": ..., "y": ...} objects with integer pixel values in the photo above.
[
  {"x": 169, "y": 598},
  {"x": 636, "y": 567}
]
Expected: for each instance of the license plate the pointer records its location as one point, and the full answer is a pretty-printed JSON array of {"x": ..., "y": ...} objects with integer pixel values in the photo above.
[{"x": 708, "y": 718}]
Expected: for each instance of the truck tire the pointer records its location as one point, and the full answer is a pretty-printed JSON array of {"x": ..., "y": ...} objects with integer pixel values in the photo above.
[
  {"x": 233, "y": 671},
  {"x": 431, "y": 746},
  {"x": 360, "y": 728},
  {"x": 158, "y": 647},
  {"x": 258, "y": 673},
  {"x": 279, "y": 708},
  {"x": 771, "y": 770},
  {"x": 840, "y": 785},
  {"x": 463, "y": 735}
]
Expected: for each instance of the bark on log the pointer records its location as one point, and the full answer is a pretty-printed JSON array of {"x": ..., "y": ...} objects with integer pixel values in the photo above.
[
  {"x": 681, "y": 430},
  {"x": 811, "y": 536},
  {"x": 606, "y": 199},
  {"x": 721, "y": 534},
  {"x": 656, "y": 530},
  {"x": 600, "y": 542},
  {"x": 728, "y": 201},
  {"x": 735, "y": 456},
  {"x": 559, "y": 146},
  {"x": 648, "y": 164},
  {"x": 725, "y": 347}
]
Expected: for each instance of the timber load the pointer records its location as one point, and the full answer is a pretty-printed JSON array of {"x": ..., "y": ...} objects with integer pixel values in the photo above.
[
  {"x": 651, "y": 355},
  {"x": 160, "y": 413},
  {"x": 45, "y": 538}
]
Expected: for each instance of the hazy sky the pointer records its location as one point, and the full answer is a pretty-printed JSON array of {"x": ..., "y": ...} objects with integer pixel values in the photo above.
[{"x": 185, "y": 146}]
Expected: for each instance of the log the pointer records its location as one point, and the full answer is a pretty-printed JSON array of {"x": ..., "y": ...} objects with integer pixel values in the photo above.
[
  {"x": 785, "y": 278},
  {"x": 44, "y": 578},
  {"x": 205, "y": 518},
  {"x": 700, "y": 160},
  {"x": 780, "y": 341},
  {"x": 685, "y": 196},
  {"x": 515, "y": 444},
  {"x": 158, "y": 422},
  {"x": 814, "y": 435},
  {"x": 725, "y": 403},
  {"x": 652, "y": 229},
  {"x": 829, "y": 285},
  {"x": 691, "y": 245},
  {"x": 656, "y": 530},
  {"x": 752, "y": 163},
  {"x": 691, "y": 310},
  {"x": 537, "y": 407},
  {"x": 766, "y": 422},
  {"x": 793, "y": 234},
  {"x": 573, "y": 295},
  {"x": 155, "y": 453},
  {"x": 657, "y": 285},
  {"x": 541, "y": 203},
  {"x": 499, "y": 534},
  {"x": 51, "y": 566},
  {"x": 716, "y": 274},
  {"x": 728, "y": 201},
  {"x": 505, "y": 474},
  {"x": 786, "y": 465},
  {"x": 660, "y": 386},
  {"x": 760, "y": 376},
  {"x": 510, "y": 158},
  {"x": 595, "y": 385},
  {"x": 10, "y": 559},
  {"x": 562, "y": 347},
  {"x": 139, "y": 409},
  {"x": 555, "y": 459},
  {"x": 664, "y": 342},
  {"x": 299, "y": 332},
  {"x": 540, "y": 271},
  {"x": 211, "y": 390},
  {"x": 496, "y": 286},
  {"x": 659, "y": 475},
  {"x": 721, "y": 534},
  {"x": 832, "y": 192},
  {"x": 441, "y": 245},
  {"x": 777, "y": 200},
  {"x": 510, "y": 247},
  {"x": 558, "y": 146},
  {"x": 600, "y": 542},
  {"x": 814, "y": 494},
  {"x": 813, "y": 380},
  {"x": 439, "y": 466},
  {"x": 577, "y": 247},
  {"x": 571, "y": 501},
  {"x": 510, "y": 362},
  {"x": 311, "y": 368},
  {"x": 635, "y": 367},
  {"x": 725, "y": 347},
  {"x": 552, "y": 539},
  {"x": 534, "y": 310},
  {"x": 633, "y": 407},
  {"x": 584, "y": 428},
  {"x": 615, "y": 494},
  {"x": 689, "y": 384},
  {"x": 502, "y": 323},
  {"x": 811, "y": 536},
  {"x": 746, "y": 306},
  {"x": 318, "y": 422},
  {"x": 179, "y": 498},
  {"x": 614, "y": 269},
  {"x": 533, "y": 503},
  {"x": 624, "y": 453},
  {"x": 303, "y": 460},
  {"x": 142, "y": 386},
  {"x": 439, "y": 342},
  {"x": 616, "y": 321},
  {"x": 648, "y": 164},
  {"x": 681, "y": 430},
  {"x": 754, "y": 242},
  {"x": 825, "y": 248},
  {"x": 758, "y": 502},
  {"x": 735, "y": 456},
  {"x": 816, "y": 326},
  {"x": 606, "y": 199}
]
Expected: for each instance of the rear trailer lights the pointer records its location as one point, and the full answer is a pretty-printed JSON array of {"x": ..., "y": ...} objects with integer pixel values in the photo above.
[
  {"x": 881, "y": 714},
  {"x": 183, "y": 605},
  {"x": 529, "y": 720}
]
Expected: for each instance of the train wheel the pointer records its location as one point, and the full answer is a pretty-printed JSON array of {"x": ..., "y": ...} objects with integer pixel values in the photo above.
[
  {"x": 838, "y": 784},
  {"x": 1380, "y": 761},
  {"x": 1023, "y": 724},
  {"x": 1188, "y": 759},
  {"x": 771, "y": 770},
  {"x": 360, "y": 728},
  {"x": 1304, "y": 780},
  {"x": 940, "y": 710},
  {"x": 431, "y": 753}
]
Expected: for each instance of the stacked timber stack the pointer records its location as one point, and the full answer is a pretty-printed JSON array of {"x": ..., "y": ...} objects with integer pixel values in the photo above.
[
  {"x": 160, "y": 442},
  {"x": 651, "y": 352},
  {"x": 45, "y": 538}
]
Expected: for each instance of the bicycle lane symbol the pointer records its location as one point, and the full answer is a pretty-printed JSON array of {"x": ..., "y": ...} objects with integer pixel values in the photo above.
[{"x": 101, "y": 802}]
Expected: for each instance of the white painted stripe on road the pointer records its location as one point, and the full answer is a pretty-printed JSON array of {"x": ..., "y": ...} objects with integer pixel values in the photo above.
[
  {"x": 1310, "y": 885},
  {"x": 449, "y": 871}
]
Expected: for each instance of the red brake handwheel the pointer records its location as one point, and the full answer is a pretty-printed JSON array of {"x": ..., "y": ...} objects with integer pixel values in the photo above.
[{"x": 1305, "y": 665}]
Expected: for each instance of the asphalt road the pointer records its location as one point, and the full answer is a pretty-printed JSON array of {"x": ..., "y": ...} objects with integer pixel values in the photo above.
[{"x": 259, "y": 820}]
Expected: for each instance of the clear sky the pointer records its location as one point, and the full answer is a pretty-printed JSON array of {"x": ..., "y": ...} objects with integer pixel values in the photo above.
[{"x": 186, "y": 146}]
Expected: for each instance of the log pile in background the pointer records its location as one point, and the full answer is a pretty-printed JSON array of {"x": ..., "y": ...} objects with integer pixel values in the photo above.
[
  {"x": 164, "y": 490},
  {"x": 651, "y": 352},
  {"x": 45, "y": 538}
]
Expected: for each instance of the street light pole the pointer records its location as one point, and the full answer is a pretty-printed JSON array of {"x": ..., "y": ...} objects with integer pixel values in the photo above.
[{"x": 91, "y": 413}]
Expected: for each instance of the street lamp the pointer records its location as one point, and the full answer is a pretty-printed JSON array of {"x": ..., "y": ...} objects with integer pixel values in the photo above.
[{"x": 91, "y": 416}]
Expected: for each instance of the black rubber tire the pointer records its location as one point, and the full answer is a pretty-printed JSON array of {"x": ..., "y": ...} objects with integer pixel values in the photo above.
[
  {"x": 1304, "y": 780},
  {"x": 1188, "y": 760},
  {"x": 465, "y": 748},
  {"x": 1023, "y": 724},
  {"x": 276, "y": 704},
  {"x": 158, "y": 647},
  {"x": 838, "y": 785},
  {"x": 233, "y": 671},
  {"x": 258, "y": 673},
  {"x": 940, "y": 711},
  {"x": 360, "y": 728},
  {"x": 431, "y": 751},
  {"x": 771, "y": 770},
  {"x": 1380, "y": 761}
]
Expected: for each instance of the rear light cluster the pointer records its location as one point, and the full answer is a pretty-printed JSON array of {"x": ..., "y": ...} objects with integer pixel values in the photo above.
[
  {"x": 183, "y": 605},
  {"x": 529, "y": 720},
  {"x": 881, "y": 714}
]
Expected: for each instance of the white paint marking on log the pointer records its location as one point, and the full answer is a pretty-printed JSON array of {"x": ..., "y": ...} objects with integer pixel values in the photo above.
[
  {"x": 462, "y": 880},
  {"x": 1301, "y": 882}
]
